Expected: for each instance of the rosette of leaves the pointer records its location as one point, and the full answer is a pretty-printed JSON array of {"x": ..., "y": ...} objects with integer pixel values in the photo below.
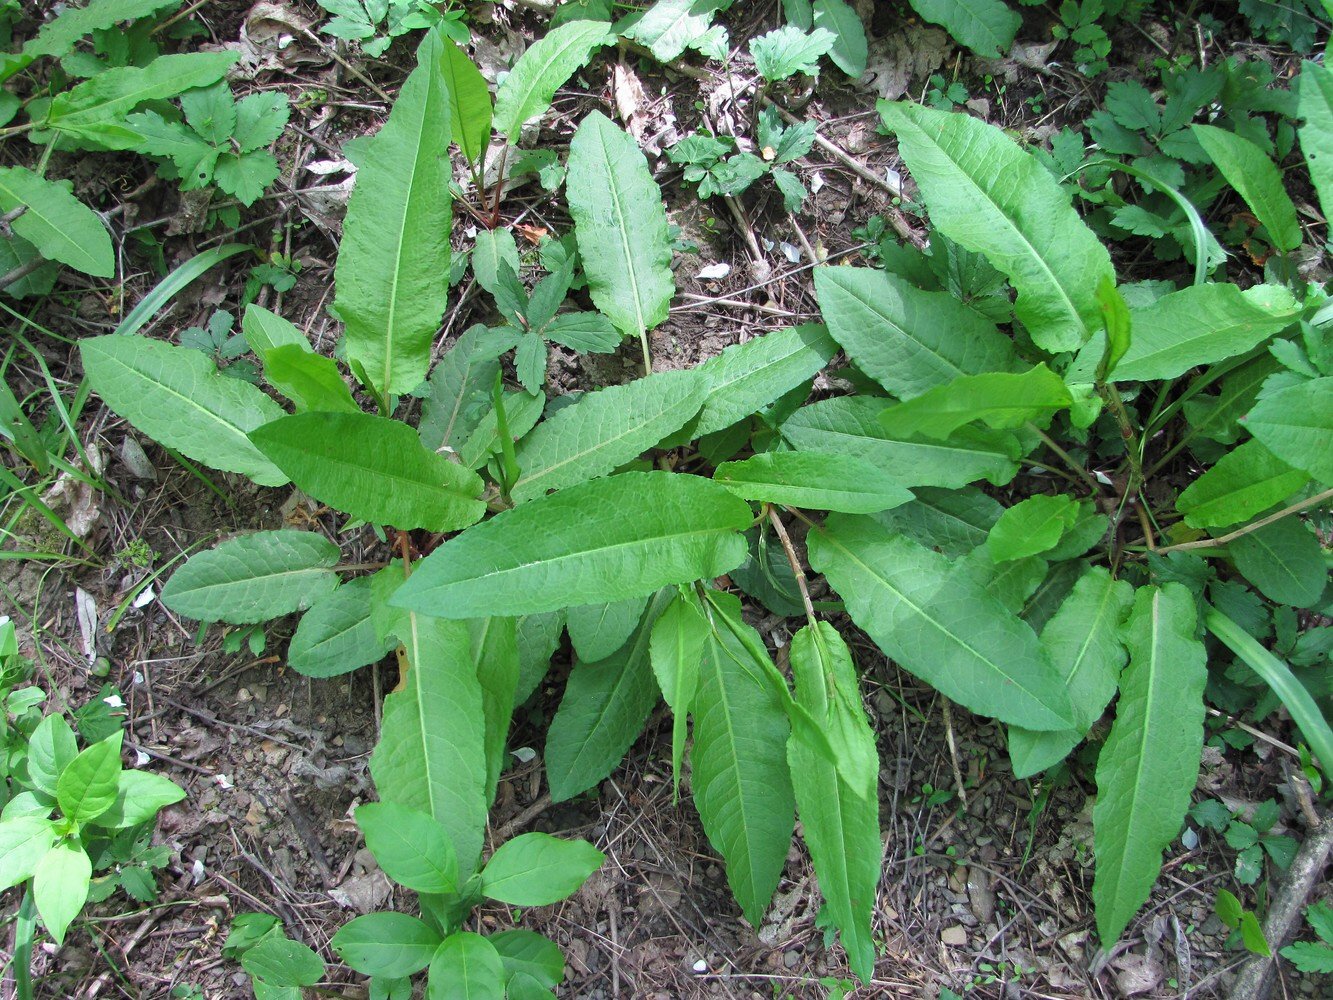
[
  {"x": 219, "y": 140},
  {"x": 718, "y": 167}
]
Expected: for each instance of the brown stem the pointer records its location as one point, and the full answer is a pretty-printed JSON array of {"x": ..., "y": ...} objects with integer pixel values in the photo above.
[
  {"x": 796, "y": 569},
  {"x": 1263, "y": 522}
]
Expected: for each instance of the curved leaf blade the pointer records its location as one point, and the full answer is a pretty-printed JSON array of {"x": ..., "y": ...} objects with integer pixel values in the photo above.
[
  {"x": 989, "y": 196},
  {"x": 1150, "y": 762},
  {"x": 254, "y": 577},
  {"x": 528, "y": 89},
  {"x": 392, "y": 274},
  {"x": 620, "y": 225},
  {"x": 604, "y": 430},
  {"x": 178, "y": 398},
  {"x": 605, "y": 540},
  {"x": 373, "y": 468},
  {"x": 61, "y": 227},
  {"x": 814, "y": 480}
]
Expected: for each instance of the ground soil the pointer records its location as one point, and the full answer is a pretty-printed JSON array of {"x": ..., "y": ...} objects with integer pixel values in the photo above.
[{"x": 986, "y": 878}]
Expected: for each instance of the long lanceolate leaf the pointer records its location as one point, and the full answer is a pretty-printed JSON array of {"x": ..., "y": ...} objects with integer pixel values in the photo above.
[
  {"x": 941, "y": 626},
  {"x": 1083, "y": 643},
  {"x": 621, "y": 227},
  {"x": 59, "y": 225},
  {"x": 432, "y": 750},
  {"x": 839, "y": 815},
  {"x": 604, "y": 430},
  {"x": 607, "y": 540},
  {"x": 527, "y": 91},
  {"x": 989, "y": 196},
  {"x": 392, "y": 274},
  {"x": 742, "y": 785},
  {"x": 603, "y": 711},
  {"x": 1150, "y": 762},
  {"x": 178, "y": 398}
]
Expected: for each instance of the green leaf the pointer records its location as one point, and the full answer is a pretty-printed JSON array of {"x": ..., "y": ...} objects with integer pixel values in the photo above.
[
  {"x": 93, "y": 111},
  {"x": 492, "y": 247},
  {"x": 393, "y": 263},
  {"x": 1309, "y": 956},
  {"x": 604, "y": 430},
  {"x": 906, "y": 339},
  {"x": 385, "y": 944},
  {"x": 953, "y": 521},
  {"x": 460, "y": 388},
  {"x": 260, "y": 119},
  {"x": 58, "y": 37},
  {"x": 431, "y": 756},
  {"x": 838, "y": 806},
  {"x": 1284, "y": 560},
  {"x": 987, "y": 27},
  {"x": 941, "y": 626},
  {"x": 617, "y": 538},
  {"x": 850, "y": 425},
  {"x": 61, "y": 227},
  {"x": 991, "y": 197},
  {"x": 337, "y": 634},
  {"x": 178, "y": 398},
  {"x": 1245, "y": 481},
  {"x": 469, "y": 103},
  {"x": 742, "y": 786},
  {"x": 536, "y": 869},
  {"x": 849, "y": 46},
  {"x": 466, "y": 967},
  {"x": 60, "y": 886},
  {"x": 1195, "y": 326},
  {"x": 24, "y": 841},
  {"x": 1150, "y": 762},
  {"x": 676, "y": 648},
  {"x": 528, "y": 89},
  {"x": 602, "y": 712},
  {"x": 584, "y": 332},
  {"x": 254, "y": 577},
  {"x": 1082, "y": 641},
  {"x": 246, "y": 176},
  {"x": 412, "y": 848},
  {"x": 140, "y": 795},
  {"x": 1315, "y": 87},
  {"x": 309, "y": 380},
  {"x": 279, "y": 961},
  {"x": 495, "y": 657},
  {"x": 997, "y": 399},
  {"x": 50, "y": 749},
  {"x": 669, "y": 27},
  {"x": 265, "y": 330},
  {"x": 814, "y": 480},
  {"x": 521, "y": 414},
  {"x": 1032, "y": 526},
  {"x": 788, "y": 51},
  {"x": 1296, "y": 424},
  {"x": 598, "y": 630},
  {"x": 1253, "y": 175},
  {"x": 524, "y": 952},
  {"x": 747, "y": 377},
  {"x": 87, "y": 786},
  {"x": 373, "y": 468},
  {"x": 620, "y": 225}
]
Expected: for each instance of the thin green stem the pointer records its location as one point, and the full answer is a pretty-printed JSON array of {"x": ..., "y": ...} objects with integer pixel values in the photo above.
[{"x": 1065, "y": 457}]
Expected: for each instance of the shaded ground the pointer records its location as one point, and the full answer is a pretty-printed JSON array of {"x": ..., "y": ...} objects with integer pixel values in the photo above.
[{"x": 990, "y": 895}]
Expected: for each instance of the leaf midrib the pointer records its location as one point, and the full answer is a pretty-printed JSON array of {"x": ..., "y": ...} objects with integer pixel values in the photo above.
[
  {"x": 990, "y": 664},
  {"x": 631, "y": 266},
  {"x": 1052, "y": 280},
  {"x": 33, "y": 208}
]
